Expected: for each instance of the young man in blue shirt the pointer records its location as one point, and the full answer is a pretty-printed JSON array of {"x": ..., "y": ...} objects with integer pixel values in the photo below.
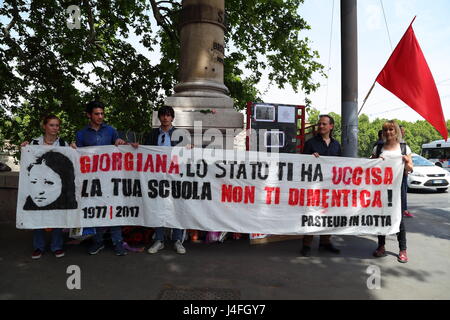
[
  {"x": 322, "y": 144},
  {"x": 162, "y": 136},
  {"x": 97, "y": 133}
]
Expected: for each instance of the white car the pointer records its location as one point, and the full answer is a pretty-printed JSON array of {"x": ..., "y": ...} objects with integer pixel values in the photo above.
[{"x": 426, "y": 175}]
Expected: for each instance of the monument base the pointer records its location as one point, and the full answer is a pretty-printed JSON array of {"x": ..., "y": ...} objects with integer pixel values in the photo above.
[{"x": 215, "y": 113}]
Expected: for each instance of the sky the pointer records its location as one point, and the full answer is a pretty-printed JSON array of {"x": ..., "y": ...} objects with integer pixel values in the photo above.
[{"x": 432, "y": 29}]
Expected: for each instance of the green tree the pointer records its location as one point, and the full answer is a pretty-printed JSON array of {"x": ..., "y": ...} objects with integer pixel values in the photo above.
[
  {"x": 313, "y": 115},
  {"x": 416, "y": 133},
  {"x": 367, "y": 136},
  {"x": 337, "y": 130},
  {"x": 45, "y": 67}
]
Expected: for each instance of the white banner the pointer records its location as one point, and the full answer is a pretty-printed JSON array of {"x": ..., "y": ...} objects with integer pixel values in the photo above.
[{"x": 204, "y": 189}]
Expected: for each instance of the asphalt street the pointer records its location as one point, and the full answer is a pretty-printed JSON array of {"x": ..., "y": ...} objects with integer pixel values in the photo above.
[{"x": 236, "y": 269}]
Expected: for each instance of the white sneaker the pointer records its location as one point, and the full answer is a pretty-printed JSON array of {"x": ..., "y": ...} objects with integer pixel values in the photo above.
[
  {"x": 158, "y": 245},
  {"x": 179, "y": 247}
]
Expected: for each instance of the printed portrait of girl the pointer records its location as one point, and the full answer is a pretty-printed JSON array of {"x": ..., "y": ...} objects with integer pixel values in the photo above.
[{"x": 52, "y": 183}]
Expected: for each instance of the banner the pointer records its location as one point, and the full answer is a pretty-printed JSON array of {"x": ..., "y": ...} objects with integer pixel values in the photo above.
[{"x": 207, "y": 189}]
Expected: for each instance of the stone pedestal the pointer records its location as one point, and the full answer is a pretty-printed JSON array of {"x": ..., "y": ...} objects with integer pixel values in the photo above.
[{"x": 201, "y": 94}]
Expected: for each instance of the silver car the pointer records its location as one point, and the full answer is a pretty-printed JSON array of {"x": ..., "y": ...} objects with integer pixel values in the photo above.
[{"x": 426, "y": 175}]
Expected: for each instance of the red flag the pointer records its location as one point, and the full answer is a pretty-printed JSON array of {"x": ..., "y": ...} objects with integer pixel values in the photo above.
[{"x": 407, "y": 75}]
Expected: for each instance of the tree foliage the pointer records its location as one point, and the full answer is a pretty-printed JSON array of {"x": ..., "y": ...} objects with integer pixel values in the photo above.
[
  {"x": 416, "y": 133},
  {"x": 45, "y": 67}
]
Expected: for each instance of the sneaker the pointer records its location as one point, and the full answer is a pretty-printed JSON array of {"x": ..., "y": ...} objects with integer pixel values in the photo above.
[
  {"x": 408, "y": 214},
  {"x": 59, "y": 253},
  {"x": 329, "y": 247},
  {"x": 119, "y": 249},
  {"x": 37, "y": 254},
  {"x": 158, "y": 245},
  {"x": 306, "y": 251},
  {"x": 379, "y": 252},
  {"x": 402, "y": 257},
  {"x": 179, "y": 247},
  {"x": 96, "y": 248}
]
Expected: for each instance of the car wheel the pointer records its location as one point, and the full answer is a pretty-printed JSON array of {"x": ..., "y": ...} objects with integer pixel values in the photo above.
[{"x": 441, "y": 189}]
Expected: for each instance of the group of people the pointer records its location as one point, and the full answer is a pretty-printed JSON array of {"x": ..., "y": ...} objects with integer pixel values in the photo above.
[{"x": 98, "y": 133}]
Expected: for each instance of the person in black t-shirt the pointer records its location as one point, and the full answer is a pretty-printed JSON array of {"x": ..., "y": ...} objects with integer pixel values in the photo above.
[{"x": 322, "y": 144}]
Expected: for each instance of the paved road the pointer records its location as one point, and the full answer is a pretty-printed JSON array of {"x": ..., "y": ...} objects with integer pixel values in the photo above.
[{"x": 240, "y": 270}]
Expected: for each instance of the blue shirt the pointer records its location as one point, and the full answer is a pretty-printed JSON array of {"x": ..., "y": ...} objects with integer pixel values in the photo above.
[
  {"x": 106, "y": 135},
  {"x": 317, "y": 144},
  {"x": 164, "y": 138}
]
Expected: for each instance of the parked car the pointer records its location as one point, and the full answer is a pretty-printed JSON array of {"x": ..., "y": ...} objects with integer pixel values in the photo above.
[{"x": 426, "y": 175}]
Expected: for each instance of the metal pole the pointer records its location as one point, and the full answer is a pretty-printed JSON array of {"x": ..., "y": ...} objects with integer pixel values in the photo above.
[{"x": 349, "y": 78}]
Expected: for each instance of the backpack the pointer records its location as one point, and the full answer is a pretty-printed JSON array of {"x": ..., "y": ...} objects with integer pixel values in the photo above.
[
  {"x": 380, "y": 146},
  {"x": 62, "y": 143}
]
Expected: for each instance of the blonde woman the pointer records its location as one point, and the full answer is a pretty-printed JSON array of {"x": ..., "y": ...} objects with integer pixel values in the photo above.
[
  {"x": 51, "y": 125},
  {"x": 393, "y": 147}
]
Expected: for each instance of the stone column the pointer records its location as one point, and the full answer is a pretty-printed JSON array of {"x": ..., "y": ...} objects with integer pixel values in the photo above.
[{"x": 201, "y": 94}]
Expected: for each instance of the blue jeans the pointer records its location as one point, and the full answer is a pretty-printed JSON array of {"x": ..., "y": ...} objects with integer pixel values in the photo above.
[
  {"x": 177, "y": 234},
  {"x": 39, "y": 240},
  {"x": 116, "y": 234},
  {"x": 404, "y": 193}
]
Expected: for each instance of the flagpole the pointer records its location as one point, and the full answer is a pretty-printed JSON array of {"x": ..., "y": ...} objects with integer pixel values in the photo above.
[
  {"x": 367, "y": 96},
  {"x": 349, "y": 78}
]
